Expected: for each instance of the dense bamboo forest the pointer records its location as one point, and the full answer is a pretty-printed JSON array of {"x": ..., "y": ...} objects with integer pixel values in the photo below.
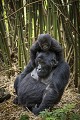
[{"x": 21, "y": 21}]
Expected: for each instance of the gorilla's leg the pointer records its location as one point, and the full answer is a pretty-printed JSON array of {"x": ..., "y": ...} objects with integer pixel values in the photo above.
[
  {"x": 48, "y": 100},
  {"x": 27, "y": 70}
]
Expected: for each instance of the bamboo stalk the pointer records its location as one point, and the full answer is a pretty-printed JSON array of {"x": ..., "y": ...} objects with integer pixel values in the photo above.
[
  {"x": 48, "y": 16},
  {"x": 5, "y": 40},
  {"x": 3, "y": 52},
  {"x": 40, "y": 17},
  {"x": 35, "y": 18},
  {"x": 55, "y": 21},
  {"x": 75, "y": 49}
]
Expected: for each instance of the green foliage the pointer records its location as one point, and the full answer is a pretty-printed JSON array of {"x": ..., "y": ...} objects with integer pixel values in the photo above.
[
  {"x": 74, "y": 116},
  {"x": 24, "y": 117},
  {"x": 64, "y": 113}
]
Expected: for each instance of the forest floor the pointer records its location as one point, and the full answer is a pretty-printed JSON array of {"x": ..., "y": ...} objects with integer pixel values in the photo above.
[{"x": 9, "y": 111}]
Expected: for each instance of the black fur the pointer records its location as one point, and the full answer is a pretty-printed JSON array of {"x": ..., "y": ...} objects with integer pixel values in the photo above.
[
  {"x": 45, "y": 90},
  {"x": 53, "y": 46}
]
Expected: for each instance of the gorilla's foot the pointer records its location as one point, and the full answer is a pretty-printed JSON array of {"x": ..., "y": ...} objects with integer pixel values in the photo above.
[
  {"x": 15, "y": 101},
  {"x": 4, "y": 95},
  {"x": 36, "y": 111}
]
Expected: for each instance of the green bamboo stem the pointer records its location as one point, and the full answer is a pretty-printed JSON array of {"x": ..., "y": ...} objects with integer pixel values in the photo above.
[
  {"x": 59, "y": 31},
  {"x": 48, "y": 16},
  {"x": 55, "y": 21},
  {"x": 3, "y": 52},
  {"x": 78, "y": 27},
  {"x": 35, "y": 18},
  {"x": 30, "y": 24},
  {"x": 75, "y": 49},
  {"x": 40, "y": 17},
  {"x": 19, "y": 39},
  {"x": 23, "y": 43},
  {"x": 5, "y": 40}
]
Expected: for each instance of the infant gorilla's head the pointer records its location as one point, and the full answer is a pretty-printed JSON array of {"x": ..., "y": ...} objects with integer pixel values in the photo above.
[
  {"x": 44, "y": 41},
  {"x": 45, "y": 63}
]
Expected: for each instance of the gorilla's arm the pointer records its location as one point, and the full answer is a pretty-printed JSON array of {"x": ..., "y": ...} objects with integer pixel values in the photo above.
[
  {"x": 56, "y": 47},
  {"x": 55, "y": 90},
  {"x": 27, "y": 70},
  {"x": 34, "y": 49}
]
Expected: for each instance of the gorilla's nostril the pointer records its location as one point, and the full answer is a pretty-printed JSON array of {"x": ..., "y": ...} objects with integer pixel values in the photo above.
[{"x": 39, "y": 69}]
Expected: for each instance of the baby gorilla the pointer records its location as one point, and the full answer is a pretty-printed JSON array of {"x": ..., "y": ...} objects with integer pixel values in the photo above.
[
  {"x": 44, "y": 86},
  {"x": 45, "y": 43}
]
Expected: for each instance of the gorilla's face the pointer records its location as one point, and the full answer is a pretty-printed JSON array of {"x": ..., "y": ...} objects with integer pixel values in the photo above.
[
  {"x": 44, "y": 41},
  {"x": 45, "y": 62}
]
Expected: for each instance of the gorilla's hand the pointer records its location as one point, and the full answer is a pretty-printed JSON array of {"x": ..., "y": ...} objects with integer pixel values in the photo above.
[
  {"x": 34, "y": 74},
  {"x": 35, "y": 110}
]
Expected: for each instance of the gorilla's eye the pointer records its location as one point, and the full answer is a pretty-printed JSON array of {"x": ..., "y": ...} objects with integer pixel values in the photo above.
[
  {"x": 38, "y": 62},
  {"x": 54, "y": 62},
  {"x": 41, "y": 63}
]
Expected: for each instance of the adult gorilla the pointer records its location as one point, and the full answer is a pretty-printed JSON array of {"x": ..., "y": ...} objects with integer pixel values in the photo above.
[{"x": 44, "y": 86}]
